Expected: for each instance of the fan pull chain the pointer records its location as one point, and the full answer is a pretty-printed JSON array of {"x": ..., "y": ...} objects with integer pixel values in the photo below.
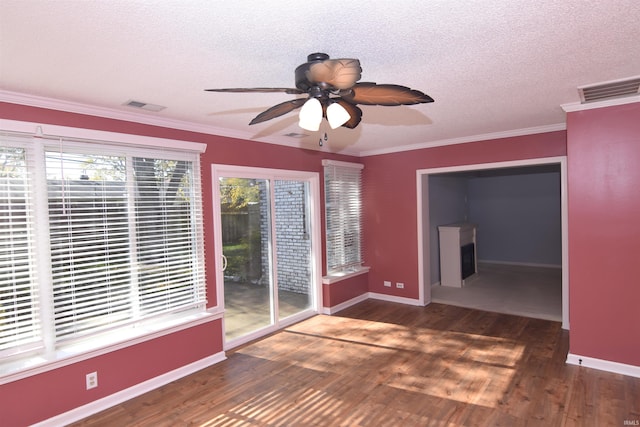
[
  {"x": 321, "y": 141},
  {"x": 323, "y": 129}
]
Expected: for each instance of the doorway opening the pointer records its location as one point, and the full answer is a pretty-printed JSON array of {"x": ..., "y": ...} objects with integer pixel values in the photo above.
[{"x": 428, "y": 256}]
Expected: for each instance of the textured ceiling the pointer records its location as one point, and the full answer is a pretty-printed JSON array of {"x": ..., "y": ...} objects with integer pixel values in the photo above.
[{"x": 493, "y": 67}]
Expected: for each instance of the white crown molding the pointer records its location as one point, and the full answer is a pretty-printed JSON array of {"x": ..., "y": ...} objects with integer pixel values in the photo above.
[
  {"x": 470, "y": 138},
  {"x": 110, "y": 113},
  {"x": 142, "y": 118},
  {"x": 149, "y": 119},
  {"x": 577, "y": 106}
]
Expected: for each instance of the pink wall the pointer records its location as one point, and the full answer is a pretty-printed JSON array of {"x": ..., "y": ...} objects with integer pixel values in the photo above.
[
  {"x": 390, "y": 223},
  {"x": 344, "y": 290},
  {"x": 604, "y": 232},
  {"x": 45, "y": 395},
  {"x": 48, "y": 394}
]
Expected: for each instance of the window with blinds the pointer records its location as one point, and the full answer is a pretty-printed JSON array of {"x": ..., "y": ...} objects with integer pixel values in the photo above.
[
  {"x": 119, "y": 232},
  {"x": 19, "y": 315},
  {"x": 343, "y": 194}
]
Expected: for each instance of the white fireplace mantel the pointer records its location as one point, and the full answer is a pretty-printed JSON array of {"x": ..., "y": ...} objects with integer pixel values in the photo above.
[{"x": 452, "y": 238}]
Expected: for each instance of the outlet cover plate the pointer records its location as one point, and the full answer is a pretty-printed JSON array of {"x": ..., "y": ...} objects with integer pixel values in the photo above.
[{"x": 92, "y": 380}]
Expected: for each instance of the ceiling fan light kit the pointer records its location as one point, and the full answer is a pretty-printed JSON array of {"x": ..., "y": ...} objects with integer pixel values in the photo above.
[
  {"x": 337, "y": 115},
  {"x": 333, "y": 92},
  {"x": 311, "y": 115}
]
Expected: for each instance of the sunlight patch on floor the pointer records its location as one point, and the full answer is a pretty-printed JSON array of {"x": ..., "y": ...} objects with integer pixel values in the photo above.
[
  {"x": 301, "y": 409},
  {"x": 483, "y": 368}
]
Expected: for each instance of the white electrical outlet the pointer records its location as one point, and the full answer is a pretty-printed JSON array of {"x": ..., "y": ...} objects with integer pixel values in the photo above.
[
  {"x": 387, "y": 283},
  {"x": 399, "y": 285},
  {"x": 92, "y": 380}
]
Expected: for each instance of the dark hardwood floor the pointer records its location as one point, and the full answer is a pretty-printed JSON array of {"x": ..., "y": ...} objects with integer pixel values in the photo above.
[{"x": 387, "y": 364}]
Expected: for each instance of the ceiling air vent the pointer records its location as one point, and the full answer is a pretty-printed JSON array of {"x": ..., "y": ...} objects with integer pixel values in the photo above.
[
  {"x": 144, "y": 105},
  {"x": 295, "y": 135},
  {"x": 609, "y": 90}
]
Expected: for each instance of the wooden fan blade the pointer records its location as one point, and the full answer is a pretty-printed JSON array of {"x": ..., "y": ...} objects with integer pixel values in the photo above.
[
  {"x": 353, "y": 110},
  {"x": 258, "y": 89},
  {"x": 278, "y": 110},
  {"x": 389, "y": 95},
  {"x": 339, "y": 73}
]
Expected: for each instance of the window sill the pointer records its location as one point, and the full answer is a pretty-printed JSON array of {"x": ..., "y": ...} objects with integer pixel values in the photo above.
[
  {"x": 26, "y": 366},
  {"x": 344, "y": 275}
]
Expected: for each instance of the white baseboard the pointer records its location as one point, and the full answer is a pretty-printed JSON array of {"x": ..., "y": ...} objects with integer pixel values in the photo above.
[
  {"x": 366, "y": 296},
  {"x": 521, "y": 264},
  {"x": 604, "y": 365},
  {"x": 392, "y": 298},
  {"x": 131, "y": 392},
  {"x": 346, "y": 304}
]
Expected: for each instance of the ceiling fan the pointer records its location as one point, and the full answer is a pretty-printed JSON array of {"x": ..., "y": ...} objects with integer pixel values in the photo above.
[{"x": 333, "y": 93}]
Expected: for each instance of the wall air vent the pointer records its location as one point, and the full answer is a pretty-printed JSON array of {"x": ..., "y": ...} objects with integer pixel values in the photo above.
[
  {"x": 609, "y": 90},
  {"x": 144, "y": 105}
]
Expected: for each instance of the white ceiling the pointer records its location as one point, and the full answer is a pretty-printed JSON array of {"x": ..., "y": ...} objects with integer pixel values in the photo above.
[{"x": 494, "y": 67}]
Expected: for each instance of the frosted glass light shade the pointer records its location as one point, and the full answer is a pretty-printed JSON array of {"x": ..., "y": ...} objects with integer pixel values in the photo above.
[
  {"x": 310, "y": 115},
  {"x": 337, "y": 115}
]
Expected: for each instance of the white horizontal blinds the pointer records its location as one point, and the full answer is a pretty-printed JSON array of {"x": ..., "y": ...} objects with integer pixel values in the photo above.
[
  {"x": 89, "y": 240},
  {"x": 125, "y": 236},
  {"x": 19, "y": 309},
  {"x": 167, "y": 225},
  {"x": 343, "y": 193}
]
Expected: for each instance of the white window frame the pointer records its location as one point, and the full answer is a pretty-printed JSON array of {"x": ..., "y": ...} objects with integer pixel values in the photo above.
[
  {"x": 23, "y": 365},
  {"x": 354, "y": 172}
]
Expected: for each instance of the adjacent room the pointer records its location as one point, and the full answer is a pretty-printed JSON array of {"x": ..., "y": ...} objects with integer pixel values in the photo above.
[{"x": 516, "y": 213}]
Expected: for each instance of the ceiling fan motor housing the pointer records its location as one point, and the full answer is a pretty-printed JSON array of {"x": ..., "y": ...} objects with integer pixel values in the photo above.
[{"x": 302, "y": 82}]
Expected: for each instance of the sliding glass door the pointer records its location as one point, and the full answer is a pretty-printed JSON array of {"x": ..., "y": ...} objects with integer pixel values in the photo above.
[
  {"x": 248, "y": 278},
  {"x": 293, "y": 247},
  {"x": 266, "y": 236}
]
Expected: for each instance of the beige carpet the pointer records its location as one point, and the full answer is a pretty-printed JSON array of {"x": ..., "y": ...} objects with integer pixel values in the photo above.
[{"x": 527, "y": 291}]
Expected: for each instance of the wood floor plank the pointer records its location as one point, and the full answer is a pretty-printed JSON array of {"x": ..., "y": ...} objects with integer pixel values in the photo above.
[{"x": 385, "y": 364}]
